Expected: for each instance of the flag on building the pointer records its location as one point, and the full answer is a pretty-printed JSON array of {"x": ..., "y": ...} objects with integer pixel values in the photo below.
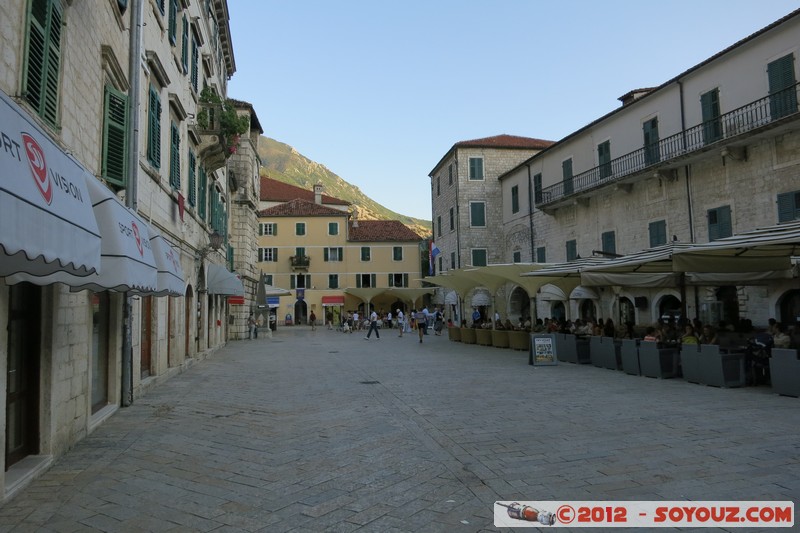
[{"x": 432, "y": 253}]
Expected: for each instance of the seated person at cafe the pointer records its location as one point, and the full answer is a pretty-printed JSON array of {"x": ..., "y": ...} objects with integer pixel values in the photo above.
[
  {"x": 608, "y": 328},
  {"x": 780, "y": 339},
  {"x": 625, "y": 331},
  {"x": 508, "y": 325},
  {"x": 709, "y": 335},
  {"x": 651, "y": 334},
  {"x": 689, "y": 336}
]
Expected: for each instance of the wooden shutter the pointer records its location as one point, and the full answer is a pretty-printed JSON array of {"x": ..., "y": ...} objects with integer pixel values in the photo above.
[
  {"x": 173, "y": 22},
  {"x": 572, "y": 250},
  {"x": 712, "y": 127},
  {"x": 788, "y": 206},
  {"x": 325, "y": 254},
  {"x": 373, "y": 280},
  {"x": 604, "y": 159},
  {"x": 541, "y": 255},
  {"x": 719, "y": 223},
  {"x": 274, "y": 255},
  {"x": 202, "y": 188},
  {"x": 537, "y": 188},
  {"x": 566, "y": 172},
  {"x": 391, "y": 280},
  {"x": 652, "y": 153},
  {"x": 43, "y": 61},
  {"x": 154, "y": 129},
  {"x": 783, "y": 96},
  {"x": 658, "y": 233},
  {"x": 115, "y": 137},
  {"x": 609, "y": 242},
  {"x": 405, "y": 276},
  {"x": 175, "y": 157},
  {"x": 185, "y": 45},
  {"x": 292, "y": 281},
  {"x": 358, "y": 281},
  {"x": 193, "y": 180}
]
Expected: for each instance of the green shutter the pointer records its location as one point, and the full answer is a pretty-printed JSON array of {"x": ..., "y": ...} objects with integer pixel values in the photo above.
[
  {"x": 515, "y": 198},
  {"x": 572, "y": 250},
  {"x": 292, "y": 282},
  {"x": 193, "y": 180},
  {"x": 43, "y": 61},
  {"x": 652, "y": 152},
  {"x": 358, "y": 281},
  {"x": 202, "y": 188},
  {"x": 541, "y": 255},
  {"x": 175, "y": 157},
  {"x": 373, "y": 280},
  {"x": 275, "y": 255},
  {"x": 274, "y": 229},
  {"x": 719, "y": 223},
  {"x": 566, "y": 172},
  {"x": 609, "y": 242},
  {"x": 154, "y": 129},
  {"x": 604, "y": 159},
  {"x": 537, "y": 188},
  {"x": 173, "y": 22},
  {"x": 658, "y": 233},
  {"x": 115, "y": 137},
  {"x": 477, "y": 214},
  {"x": 405, "y": 277},
  {"x": 783, "y": 96},
  {"x": 789, "y": 206},
  {"x": 185, "y": 45},
  {"x": 712, "y": 126},
  {"x": 195, "y": 62},
  {"x": 391, "y": 280},
  {"x": 325, "y": 254}
]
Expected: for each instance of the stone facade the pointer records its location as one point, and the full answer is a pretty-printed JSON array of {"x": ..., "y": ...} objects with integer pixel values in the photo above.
[{"x": 85, "y": 343}]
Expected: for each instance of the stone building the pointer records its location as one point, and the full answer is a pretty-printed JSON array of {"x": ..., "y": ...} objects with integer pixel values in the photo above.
[
  {"x": 115, "y": 248},
  {"x": 310, "y": 244},
  {"x": 466, "y": 197},
  {"x": 711, "y": 152}
]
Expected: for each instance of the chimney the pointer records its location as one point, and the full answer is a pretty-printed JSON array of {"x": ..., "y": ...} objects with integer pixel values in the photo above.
[
  {"x": 318, "y": 193},
  {"x": 632, "y": 96}
]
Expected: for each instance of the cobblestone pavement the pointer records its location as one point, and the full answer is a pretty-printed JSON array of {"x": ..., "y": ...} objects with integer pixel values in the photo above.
[{"x": 324, "y": 431}]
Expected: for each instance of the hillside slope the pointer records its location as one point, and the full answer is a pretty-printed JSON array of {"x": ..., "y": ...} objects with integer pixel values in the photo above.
[{"x": 281, "y": 162}]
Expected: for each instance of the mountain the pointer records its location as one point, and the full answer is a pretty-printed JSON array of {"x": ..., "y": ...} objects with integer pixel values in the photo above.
[{"x": 281, "y": 162}]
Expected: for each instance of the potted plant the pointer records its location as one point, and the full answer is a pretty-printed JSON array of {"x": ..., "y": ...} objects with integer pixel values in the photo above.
[{"x": 216, "y": 116}]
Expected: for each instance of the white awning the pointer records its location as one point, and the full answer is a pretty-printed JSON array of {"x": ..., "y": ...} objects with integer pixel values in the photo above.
[
  {"x": 222, "y": 281},
  {"x": 451, "y": 298},
  {"x": 46, "y": 219},
  {"x": 583, "y": 293},
  {"x": 169, "y": 280},
  {"x": 127, "y": 262}
]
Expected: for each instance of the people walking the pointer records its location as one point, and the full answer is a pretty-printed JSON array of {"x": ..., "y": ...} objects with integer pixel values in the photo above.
[
  {"x": 373, "y": 325},
  {"x": 401, "y": 322},
  {"x": 422, "y": 323},
  {"x": 252, "y": 330},
  {"x": 313, "y": 319}
]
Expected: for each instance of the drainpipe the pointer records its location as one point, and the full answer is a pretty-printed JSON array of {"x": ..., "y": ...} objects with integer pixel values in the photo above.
[
  {"x": 687, "y": 173},
  {"x": 134, "y": 101},
  {"x": 458, "y": 239}
]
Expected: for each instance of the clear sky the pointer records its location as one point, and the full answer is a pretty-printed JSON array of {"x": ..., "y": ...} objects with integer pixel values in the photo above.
[{"x": 379, "y": 90}]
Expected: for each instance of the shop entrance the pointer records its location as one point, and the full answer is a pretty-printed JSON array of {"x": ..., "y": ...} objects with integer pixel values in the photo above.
[{"x": 22, "y": 392}]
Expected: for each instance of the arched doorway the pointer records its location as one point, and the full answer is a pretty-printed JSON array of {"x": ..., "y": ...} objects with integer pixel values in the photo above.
[
  {"x": 790, "y": 307},
  {"x": 728, "y": 297},
  {"x": 627, "y": 311},
  {"x": 300, "y": 312},
  {"x": 519, "y": 305},
  {"x": 669, "y": 306},
  {"x": 187, "y": 327},
  {"x": 558, "y": 311},
  {"x": 588, "y": 312}
]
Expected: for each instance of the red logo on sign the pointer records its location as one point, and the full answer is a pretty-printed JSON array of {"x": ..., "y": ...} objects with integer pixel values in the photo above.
[
  {"x": 138, "y": 238},
  {"x": 38, "y": 167}
]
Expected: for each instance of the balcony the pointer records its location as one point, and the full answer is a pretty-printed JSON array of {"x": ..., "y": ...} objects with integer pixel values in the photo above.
[
  {"x": 300, "y": 262},
  {"x": 761, "y": 114}
]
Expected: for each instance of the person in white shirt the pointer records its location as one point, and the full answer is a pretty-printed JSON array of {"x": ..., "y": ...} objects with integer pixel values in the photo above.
[
  {"x": 401, "y": 322},
  {"x": 373, "y": 326}
]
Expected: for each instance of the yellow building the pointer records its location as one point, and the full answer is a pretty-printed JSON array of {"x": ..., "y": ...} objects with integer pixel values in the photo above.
[{"x": 331, "y": 262}]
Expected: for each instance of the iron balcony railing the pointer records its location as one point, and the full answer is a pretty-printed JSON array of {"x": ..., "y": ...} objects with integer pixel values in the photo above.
[
  {"x": 762, "y": 112},
  {"x": 300, "y": 261}
]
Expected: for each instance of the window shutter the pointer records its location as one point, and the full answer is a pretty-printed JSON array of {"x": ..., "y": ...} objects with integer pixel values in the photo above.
[
  {"x": 274, "y": 255},
  {"x": 195, "y": 62},
  {"x": 274, "y": 229},
  {"x": 358, "y": 281},
  {"x": 405, "y": 276},
  {"x": 173, "y": 22},
  {"x": 203, "y": 187},
  {"x": 604, "y": 158},
  {"x": 537, "y": 188},
  {"x": 391, "y": 280},
  {"x": 658, "y": 233},
  {"x": 341, "y": 253},
  {"x": 115, "y": 137},
  {"x": 712, "y": 127},
  {"x": 788, "y": 206},
  {"x": 572, "y": 250},
  {"x": 719, "y": 223},
  {"x": 609, "y": 242},
  {"x": 154, "y": 129},
  {"x": 783, "y": 98},
  {"x": 372, "y": 280},
  {"x": 308, "y": 281},
  {"x": 175, "y": 157},
  {"x": 192, "y": 179},
  {"x": 185, "y": 45},
  {"x": 292, "y": 281},
  {"x": 325, "y": 254},
  {"x": 652, "y": 153},
  {"x": 261, "y": 230},
  {"x": 43, "y": 62},
  {"x": 566, "y": 172},
  {"x": 541, "y": 256}
]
